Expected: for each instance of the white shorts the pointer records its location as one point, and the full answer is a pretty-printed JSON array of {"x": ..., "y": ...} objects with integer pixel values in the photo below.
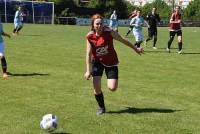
[
  {"x": 113, "y": 24},
  {"x": 18, "y": 24},
  {"x": 2, "y": 49},
  {"x": 138, "y": 35}
]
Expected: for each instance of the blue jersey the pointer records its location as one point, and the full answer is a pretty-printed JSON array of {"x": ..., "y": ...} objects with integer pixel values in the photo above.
[
  {"x": 18, "y": 16},
  {"x": 138, "y": 22},
  {"x": 1, "y": 31}
]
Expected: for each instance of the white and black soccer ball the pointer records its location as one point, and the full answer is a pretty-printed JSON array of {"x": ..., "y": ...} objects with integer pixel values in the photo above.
[{"x": 49, "y": 122}]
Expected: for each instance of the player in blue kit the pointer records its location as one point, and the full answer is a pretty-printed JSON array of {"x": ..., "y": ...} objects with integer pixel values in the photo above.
[
  {"x": 18, "y": 21},
  {"x": 2, "y": 51},
  {"x": 137, "y": 23}
]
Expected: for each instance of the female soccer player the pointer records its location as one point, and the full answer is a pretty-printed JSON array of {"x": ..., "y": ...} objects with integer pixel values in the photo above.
[
  {"x": 133, "y": 14},
  {"x": 2, "y": 51},
  {"x": 18, "y": 21},
  {"x": 137, "y": 23},
  {"x": 113, "y": 21},
  {"x": 153, "y": 19},
  {"x": 101, "y": 55},
  {"x": 175, "y": 29}
]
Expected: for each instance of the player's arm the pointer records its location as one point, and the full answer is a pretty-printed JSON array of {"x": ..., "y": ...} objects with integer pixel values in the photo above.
[
  {"x": 88, "y": 61},
  {"x": 126, "y": 42},
  {"x": 132, "y": 23},
  {"x": 172, "y": 19},
  {"x": 147, "y": 24}
]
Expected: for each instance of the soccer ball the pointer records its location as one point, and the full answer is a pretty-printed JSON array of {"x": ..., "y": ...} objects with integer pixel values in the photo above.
[{"x": 49, "y": 122}]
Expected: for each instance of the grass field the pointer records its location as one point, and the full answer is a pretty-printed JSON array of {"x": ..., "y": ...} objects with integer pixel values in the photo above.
[{"x": 158, "y": 92}]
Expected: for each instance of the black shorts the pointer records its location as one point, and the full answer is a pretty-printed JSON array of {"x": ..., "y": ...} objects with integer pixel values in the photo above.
[
  {"x": 173, "y": 33},
  {"x": 152, "y": 32},
  {"x": 98, "y": 68}
]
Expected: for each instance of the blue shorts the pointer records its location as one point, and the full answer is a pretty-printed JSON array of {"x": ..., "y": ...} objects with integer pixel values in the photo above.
[
  {"x": 113, "y": 24},
  {"x": 138, "y": 35}
]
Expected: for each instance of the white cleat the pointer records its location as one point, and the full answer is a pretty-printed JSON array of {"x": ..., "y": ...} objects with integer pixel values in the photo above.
[
  {"x": 154, "y": 47},
  {"x": 179, "y": 52},
  {"x": 168, "y": 50},
  {"x": 5, "y": 75}
]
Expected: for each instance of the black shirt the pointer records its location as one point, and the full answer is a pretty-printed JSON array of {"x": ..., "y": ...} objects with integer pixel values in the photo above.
[{"x": 153, "y": 20}]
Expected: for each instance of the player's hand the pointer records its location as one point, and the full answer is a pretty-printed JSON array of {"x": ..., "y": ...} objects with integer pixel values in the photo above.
[
  {"x": 87, "y": 75},
  {"x": 139, "y": 50}
]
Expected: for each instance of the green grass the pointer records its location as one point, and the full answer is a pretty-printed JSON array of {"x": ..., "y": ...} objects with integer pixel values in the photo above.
[{"x": 158, "y": 92}]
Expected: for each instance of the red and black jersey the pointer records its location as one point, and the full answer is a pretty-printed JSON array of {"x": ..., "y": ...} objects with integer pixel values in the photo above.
[
  {"x": 102, "y": 47},
  {"x": 175, "y": 26}
]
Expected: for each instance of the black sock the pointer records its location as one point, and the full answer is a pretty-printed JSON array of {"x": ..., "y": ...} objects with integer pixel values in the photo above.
[
  {"x": 128, "y": 32},
  {"x": 100, "y": 100},
  {"x": 154, "y": 41},
  {"x": 170, "y": 42},
  {"x": 148, "y": 39},
  {"x": 138, "y": 44},
  {"x": 180, "y": 46},
  {"x": 4, "y": 64},
  {"x": 19, "y": 29},
  {"x": 14, "y": 30}
]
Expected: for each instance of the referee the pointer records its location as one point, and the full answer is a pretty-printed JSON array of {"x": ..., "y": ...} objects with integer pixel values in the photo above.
[{"x": 152, "y": 19}]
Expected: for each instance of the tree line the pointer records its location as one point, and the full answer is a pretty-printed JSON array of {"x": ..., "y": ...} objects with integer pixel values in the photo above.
[{"x": 76, "y": 8}]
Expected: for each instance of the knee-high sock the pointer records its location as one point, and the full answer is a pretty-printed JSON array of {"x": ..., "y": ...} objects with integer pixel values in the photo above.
[
  {"x": 170, "y": 41},
  {"x": 154, "y": 41},
  {"x": 4, "y": 64},
  {"x": 100, "y": 100},
  {"x": 180, "y": 46},
  {"x": 14, "y": 30},
  {"x": 18, "y": 29}
]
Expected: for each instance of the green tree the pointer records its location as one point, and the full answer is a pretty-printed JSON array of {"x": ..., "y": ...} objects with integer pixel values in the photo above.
[
  {"x": 192, "y": 12},
  {"x": 162, "y": 8}
]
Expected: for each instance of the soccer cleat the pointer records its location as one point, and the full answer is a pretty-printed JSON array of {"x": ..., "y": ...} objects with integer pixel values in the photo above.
[
  {"x": 168, "y": 50},
  {"x": 154, "y": 47},
  {"x": 5, "y": 75},
  {"x": 179, "y": 52},
  {"x": 101, "y": 111}
]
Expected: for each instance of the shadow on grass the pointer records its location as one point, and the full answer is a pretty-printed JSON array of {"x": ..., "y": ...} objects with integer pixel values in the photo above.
[
  {"x": 59, "y": 133},
  {"x": 30, "y": 74},
  {"x": 31, "y": 35},
  {"x": 170, "y": 48},
  {"x": 132, "y": 110},
  {"x": 155, "y": 51},
  {"x": 189, "y": 53}
]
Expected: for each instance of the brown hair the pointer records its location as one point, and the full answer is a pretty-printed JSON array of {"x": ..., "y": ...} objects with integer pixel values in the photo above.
[{"x": 93, "y": 18}]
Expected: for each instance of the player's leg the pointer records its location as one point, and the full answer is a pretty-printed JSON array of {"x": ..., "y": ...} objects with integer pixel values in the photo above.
[
  {"x": 21, "y": 26},
  {"x": 129, "y": 30},
  {"x": 149, "y": 36},
  {"x": 15, "y": 28},
  {"x": 138, "y": 37},
  {"x": 112, "y": 77},
  {"x": 171, "y": 38},
  {"x": 97, "y": 71},
  {"x": 3, "y": 61},
  {"x": 180, "y": 44},
  {"x": 155, "y": 38}
]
